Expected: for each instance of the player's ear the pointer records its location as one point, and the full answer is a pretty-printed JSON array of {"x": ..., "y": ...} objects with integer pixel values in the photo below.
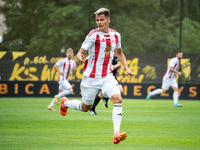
[{"x": 109, "y": 20}]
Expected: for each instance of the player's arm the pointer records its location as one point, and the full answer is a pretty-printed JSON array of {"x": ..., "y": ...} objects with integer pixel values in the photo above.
[
  {"x": 120, "y": 55},
  {"x": 57, "y": 69},
  {"x": 175, "y": 71},
  {"x": 80, "y": 56},
  {"x": 74, "y": 69}
]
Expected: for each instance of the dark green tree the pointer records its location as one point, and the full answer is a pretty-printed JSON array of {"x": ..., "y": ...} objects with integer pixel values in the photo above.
[
  {"x": 145, "y": 26},
  {"x": 44, "y": 25}
]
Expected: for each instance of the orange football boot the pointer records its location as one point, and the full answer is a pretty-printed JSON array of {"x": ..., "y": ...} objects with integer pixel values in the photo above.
[
  {"x": 63, "y": 109},
  {"x": 119, "y": 136}
]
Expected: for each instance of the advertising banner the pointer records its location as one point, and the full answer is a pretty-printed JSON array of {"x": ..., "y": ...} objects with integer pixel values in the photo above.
[
  {"x": 148, "y": 67},
  {"x": 132, "y": 91}
]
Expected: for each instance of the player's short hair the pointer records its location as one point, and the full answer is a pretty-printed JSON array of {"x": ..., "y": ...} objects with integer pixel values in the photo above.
[
  {"x": 179, "y": 52},
  {"x": 103, "y": 11},
  {"x": 69, "y": 50}
]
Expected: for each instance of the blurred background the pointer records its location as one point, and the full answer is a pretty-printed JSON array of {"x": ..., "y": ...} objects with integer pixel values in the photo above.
[
  {"x": 145, "y": 25},
  {"x": 34, "y": 35}
]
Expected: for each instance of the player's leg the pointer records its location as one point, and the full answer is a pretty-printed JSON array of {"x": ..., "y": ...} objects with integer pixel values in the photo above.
[
  {"x": 165, "y": 86},
  {"x": 175, "y": 94},
  {"x": 67, "y": 89},
  {"x": 83, "y": 105},
  {"x": 88, "y": 95},
  {"x": 105, "y": 101},
  {"x": 74, "y": 104},
  {"x": 56, "y": 96},
  {"x": 50, "y": 107},
  {"x": 113, "y": 92},
  {"x": 98, "y": 97},
  {"x": 155, "y": 92},
  {"x": 117, "y": 118},
  {"x": 111, "y": 89},
  {"x": 65, "y": 103},
  {"x": 60, "y": 88}
]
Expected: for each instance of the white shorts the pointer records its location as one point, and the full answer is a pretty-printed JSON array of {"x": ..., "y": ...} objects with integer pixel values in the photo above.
[
  {"x": 90, "y": 87},
  {"x": 64, "y": 85},
  {"x": 168, "y": 83}
]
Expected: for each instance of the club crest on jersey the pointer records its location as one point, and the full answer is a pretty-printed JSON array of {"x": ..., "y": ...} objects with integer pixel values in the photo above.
[
  {"x": 109, "y": 38},
  {"x": 107, "y": 50}
]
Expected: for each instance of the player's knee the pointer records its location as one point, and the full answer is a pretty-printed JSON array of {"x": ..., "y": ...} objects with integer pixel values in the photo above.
[
  {"x": 117, "y": 99},
  {"x": 176, "y": 89},
  {"x": 164, "y": 91},
  {"x": 86, "y": 108}
]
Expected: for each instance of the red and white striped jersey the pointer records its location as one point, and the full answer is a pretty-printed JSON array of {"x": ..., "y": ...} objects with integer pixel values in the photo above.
[
  {"x": 100, "y": 47},
  {"x": 174, "y": 63},
  {"x": 66, "y": 66}
]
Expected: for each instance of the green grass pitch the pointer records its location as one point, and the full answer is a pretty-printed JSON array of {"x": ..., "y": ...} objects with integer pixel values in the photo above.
[{"x": 25, "y": 123}]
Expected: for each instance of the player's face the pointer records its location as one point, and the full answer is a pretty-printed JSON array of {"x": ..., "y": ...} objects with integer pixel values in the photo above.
[
  {"x": 103, "y": 23},
  {"x": 69, "y": 54},
  {"x": 179, "y": 55}
]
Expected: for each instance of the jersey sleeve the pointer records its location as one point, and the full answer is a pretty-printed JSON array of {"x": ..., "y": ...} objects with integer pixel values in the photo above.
[
  {"x": 88, "y": 42},
  {"x": 172, "y": 62},
  {"x": 119, "y": 41},
  {"x": 60, "y": 62}
]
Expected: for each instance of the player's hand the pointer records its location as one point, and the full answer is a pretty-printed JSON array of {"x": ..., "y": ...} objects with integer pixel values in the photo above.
[
  {"x": 80, "y": 56},
  {"x": 130, "y": 73},
  {"x": 179, "y": 73},
  {"x": 62, "y": 73},
  {"x": 80, "y": 59}
]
